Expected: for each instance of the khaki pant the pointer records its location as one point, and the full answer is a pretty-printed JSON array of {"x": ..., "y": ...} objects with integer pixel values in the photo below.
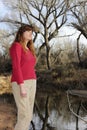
[{"x": 24, "y": 104}]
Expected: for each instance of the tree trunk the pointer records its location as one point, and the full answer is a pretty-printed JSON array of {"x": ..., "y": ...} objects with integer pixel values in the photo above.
[
  {"x": 78, "y": 51},
  {"x": 48, "y": 57},
  {"x": 47, "y": 48}
]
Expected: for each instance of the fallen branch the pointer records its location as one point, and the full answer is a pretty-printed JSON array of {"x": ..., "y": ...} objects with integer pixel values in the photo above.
[
  {"x": 83, "y": 107},
  {"x": 72, "y": 109}
]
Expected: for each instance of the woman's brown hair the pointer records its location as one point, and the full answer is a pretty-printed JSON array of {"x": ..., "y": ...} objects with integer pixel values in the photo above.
[{"x": 19, "y": 38}]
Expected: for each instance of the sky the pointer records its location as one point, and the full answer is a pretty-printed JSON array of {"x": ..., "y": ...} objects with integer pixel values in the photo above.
[
  {"x": 1, "y": 7},
  {"x": 3, "y": 10}
]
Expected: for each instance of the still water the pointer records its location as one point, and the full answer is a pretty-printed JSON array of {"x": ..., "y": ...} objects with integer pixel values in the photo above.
[{"x": 60, "y": 116}]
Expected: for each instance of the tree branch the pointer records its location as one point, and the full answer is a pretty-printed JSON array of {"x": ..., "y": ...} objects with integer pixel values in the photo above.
[{"x": 72, "y": 109}]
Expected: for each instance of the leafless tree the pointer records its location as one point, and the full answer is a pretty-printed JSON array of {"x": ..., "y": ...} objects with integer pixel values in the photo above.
[
  {"x": 79, "y": 14},
  {"x": 46, "y": 16}
]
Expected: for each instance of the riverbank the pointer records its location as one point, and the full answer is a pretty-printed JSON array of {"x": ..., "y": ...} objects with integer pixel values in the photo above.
[{"x": 52, "y": 80}]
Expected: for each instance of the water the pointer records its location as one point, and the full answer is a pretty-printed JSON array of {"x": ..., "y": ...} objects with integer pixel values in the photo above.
[{"x": 60, "y": 116}]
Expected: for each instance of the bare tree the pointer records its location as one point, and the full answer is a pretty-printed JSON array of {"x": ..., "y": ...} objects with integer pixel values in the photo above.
[
  {"x": 79, "y": 14},
  {"x": 49, "y": 16}
]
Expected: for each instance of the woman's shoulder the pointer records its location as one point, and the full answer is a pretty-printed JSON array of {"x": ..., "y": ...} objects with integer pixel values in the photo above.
[{"x": 16, "y": 45}]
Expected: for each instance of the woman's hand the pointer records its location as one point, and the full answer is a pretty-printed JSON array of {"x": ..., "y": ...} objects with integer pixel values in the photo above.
[{"x": 23, "y": 92}]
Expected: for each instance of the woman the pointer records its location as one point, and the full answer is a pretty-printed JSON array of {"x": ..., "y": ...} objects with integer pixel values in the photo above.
[{"x": 23, "y": 78}]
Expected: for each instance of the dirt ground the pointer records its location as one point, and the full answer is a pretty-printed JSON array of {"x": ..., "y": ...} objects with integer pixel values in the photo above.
[{"x": 7, "y": 116}]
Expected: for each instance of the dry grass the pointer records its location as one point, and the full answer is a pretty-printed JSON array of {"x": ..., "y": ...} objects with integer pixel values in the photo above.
[
  {"x": 5, "y": 85},
  {"x": 63, "y": 78}
]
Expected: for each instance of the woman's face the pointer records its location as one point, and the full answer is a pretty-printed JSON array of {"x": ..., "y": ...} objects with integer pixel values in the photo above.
[{"x": 27, "y": 35}]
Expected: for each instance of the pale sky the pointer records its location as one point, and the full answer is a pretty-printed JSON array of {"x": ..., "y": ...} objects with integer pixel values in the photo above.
[
  {"x": 69, "y": 31},
  {"x": 2, "y": 9}
]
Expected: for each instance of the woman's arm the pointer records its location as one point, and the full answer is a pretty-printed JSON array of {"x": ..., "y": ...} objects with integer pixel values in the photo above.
[{"x": 15, "y": 53}]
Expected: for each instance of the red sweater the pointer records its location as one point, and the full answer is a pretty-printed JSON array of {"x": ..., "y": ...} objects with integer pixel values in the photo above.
[{"x": 23, "y": 64}]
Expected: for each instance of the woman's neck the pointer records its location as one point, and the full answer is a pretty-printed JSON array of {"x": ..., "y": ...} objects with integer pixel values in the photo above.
[{"x": 24, "y": 44}]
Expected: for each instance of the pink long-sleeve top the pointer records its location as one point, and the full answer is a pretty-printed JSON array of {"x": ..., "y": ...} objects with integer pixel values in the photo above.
[{"x": 23, "y": 64}]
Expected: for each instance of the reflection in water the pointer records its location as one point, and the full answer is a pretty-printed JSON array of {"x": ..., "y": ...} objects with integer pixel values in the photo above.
[{"x": 59, "y": 113}]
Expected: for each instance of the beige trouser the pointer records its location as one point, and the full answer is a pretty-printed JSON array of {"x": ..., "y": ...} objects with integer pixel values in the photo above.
[{"x": 24, "y": 104}]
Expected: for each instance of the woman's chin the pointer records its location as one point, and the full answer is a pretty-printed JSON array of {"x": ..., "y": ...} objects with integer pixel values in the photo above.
[{"x": 29, "y": 39}]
